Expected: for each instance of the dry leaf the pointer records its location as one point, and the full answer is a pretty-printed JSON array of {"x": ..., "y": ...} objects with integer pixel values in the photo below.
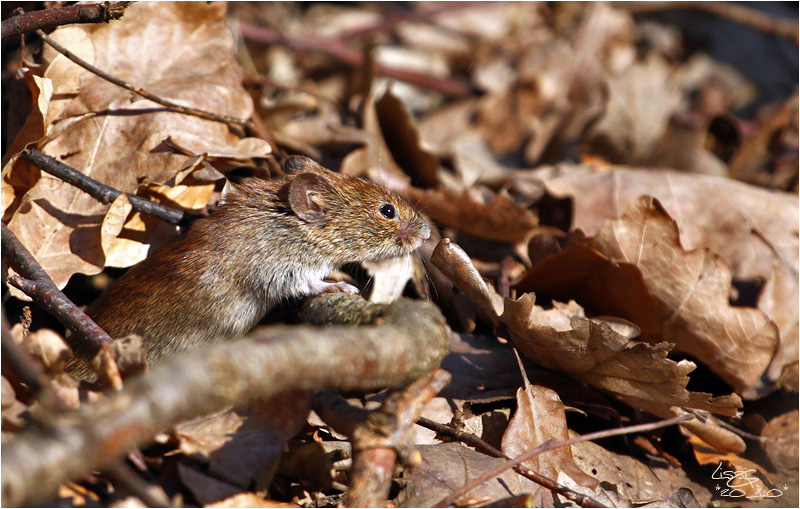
[
  {"x": 633, "y": 122},
  {"x": 499, "y": 220},
  {"x": 446, "y": 468},
  {"x": 49, "y": 348},
  {"x": 206, "y": 489},
  {"x": 691, "y": 288},
  {"x": 749, "y": 227},
  {"x": 737, "y": 477},
  {"x": 639, "y": 374},
  {"x": 540, "y": 417},
  {"x": 781, "y": 435},
  {"x": 389, "y": 277},
  {"x": 242, "y": 447},
  {"x": 112, "y": 135}
]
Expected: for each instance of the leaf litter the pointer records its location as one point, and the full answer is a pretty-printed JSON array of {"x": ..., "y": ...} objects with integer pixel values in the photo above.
[{"x": 604, "y": 205}]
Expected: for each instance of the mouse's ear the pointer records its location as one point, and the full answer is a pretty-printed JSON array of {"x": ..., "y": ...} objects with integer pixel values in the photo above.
[
  {"x": 295, "y": 164},
  {"x": 307, "y": 196}
]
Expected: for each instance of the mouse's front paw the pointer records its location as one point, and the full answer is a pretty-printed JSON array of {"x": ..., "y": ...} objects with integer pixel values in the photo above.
[{"x": 341, "y": 287}]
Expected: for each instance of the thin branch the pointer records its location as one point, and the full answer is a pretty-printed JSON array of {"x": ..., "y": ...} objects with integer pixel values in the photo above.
[
  {"x": 51, "y": 18},
  {"x": 758, "y": 20},
  {"x": 103, "y": 193},
  {"x": 353, "y": 58},
  {"x": 550, "y": 445},
  {"x": 411, "y": 340},
  {"x": 225, "y": 119},
  {"x": 32, "y": 279},
  {"x": 486, "y": 448}
]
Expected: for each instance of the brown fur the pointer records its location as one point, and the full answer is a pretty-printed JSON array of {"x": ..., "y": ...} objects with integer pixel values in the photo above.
[{"x": 220, "y": 277}]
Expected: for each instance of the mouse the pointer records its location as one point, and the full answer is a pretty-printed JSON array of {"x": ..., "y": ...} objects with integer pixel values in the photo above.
[{"x": 268, "y": 241}]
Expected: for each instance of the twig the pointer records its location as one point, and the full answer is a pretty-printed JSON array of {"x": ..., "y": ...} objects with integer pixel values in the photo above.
[
  {"x": 412, "y": 340},
  {"x": 550, "y": 445},
  {"x": 384, "y": 434},
  {"x": 51, "y": 18},
  {"x": 225, "y": 119},
  {"x": 486, "y": 448},
  {"x": 32, "y": 279},
  {"x": 103, "y": 193},
  {"x": 339, "y": 51},
  {"x": 738, "y": 13}
]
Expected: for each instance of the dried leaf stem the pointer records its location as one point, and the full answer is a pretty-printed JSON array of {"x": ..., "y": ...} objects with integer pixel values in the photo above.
[
  {"x": 353, "y": 58},
  {"x": 51, "y": 18},
  {"x": 225, "y": 119},
  {"x": 486, "y": 448},
  {"x": 550, "y": 445},
  {"x": 411, "y": 340},
  {"x": 103, "y": 193}
]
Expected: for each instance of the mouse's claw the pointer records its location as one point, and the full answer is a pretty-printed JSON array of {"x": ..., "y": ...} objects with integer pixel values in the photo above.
[{"x": 323, "y": 287}]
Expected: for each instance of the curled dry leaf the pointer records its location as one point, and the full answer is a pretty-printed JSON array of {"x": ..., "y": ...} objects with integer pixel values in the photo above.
[
  {"x": 18, "y": 175},
  {"x": 454, "y": 263},
  {"x": 564, "y": 340},
  {"x": 691, "y": 288},
  {"x": 752, "y": 229},
  {"x": 606, "y": 286},
  {"x": 403, "y": 140},
  {"x": 111, "y": 135},
  {"x": 639, "y": 374}
]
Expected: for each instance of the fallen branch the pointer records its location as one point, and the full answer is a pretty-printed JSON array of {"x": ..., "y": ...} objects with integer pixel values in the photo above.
[
  {"x": 186, "y": 110},
  {"x": 51, "y": 18},
  {"x": 103, "y": 193},
  {"x": 411, "y": 340},
  {"x": 549, "y": 446},
  {"x": 385, "y": 433},
  {"x": 32, "y": 279}
]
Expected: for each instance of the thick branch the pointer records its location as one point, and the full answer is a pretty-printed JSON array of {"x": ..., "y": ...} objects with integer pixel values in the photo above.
[
  {"x": 51, "y": 18},
  {"x": 411, "y": 341},
  {"x": 101, "y": 192}
]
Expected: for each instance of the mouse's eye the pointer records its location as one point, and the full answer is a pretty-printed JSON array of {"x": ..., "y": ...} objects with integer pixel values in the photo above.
[{"x": 388, "y": 211}]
